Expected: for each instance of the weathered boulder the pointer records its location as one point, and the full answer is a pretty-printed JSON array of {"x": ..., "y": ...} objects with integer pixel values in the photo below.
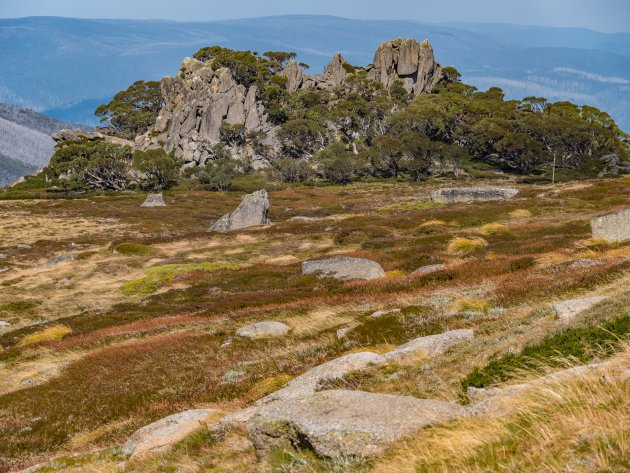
[
  {"x": 408, "y": 61},
  {"x": 613, "y": 227},
  {"x": 431, "y": 268},
  {"x": 585, "y": 263},
  {"x": 252, "y": 211},
  {"x": 294, "y": 75},
  {"x": 161, "y": 435},
  {"x": 65, "y": 136},
  {"x": 4, "y": 323},
  {"x": 568, "y": 310},
  {"x": 344, "y": 268},
  {"x": 154, "y": 200},
  {"x": 55, "y": 260},
  {"x": 380, "y": 313},
  {"x": 265, "y": 329},
  {"x": 614, "y": 165},
  {"x": 337, "y": 70},
  {"x": 430, "y": 346},
  {"x": 339, "y": 422},
  {"x": 310, "y": 381},
  {"x": 472, "y": 194}
]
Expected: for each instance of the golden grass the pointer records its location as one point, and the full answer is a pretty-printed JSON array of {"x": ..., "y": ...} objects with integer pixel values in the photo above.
[
  {"x": 473, "y": 305},
  {"x": 48, "y": 335},
  {"x": 268, "y": 385},
  {"x": 581, "y": 422},
  {"x": 433, "y": 223},
  {"x": 463, "y": 246},
  {"x": 494, "y": 229},
  {"x": 410, "y": 206},
  {"x": 520, "y": 213}
]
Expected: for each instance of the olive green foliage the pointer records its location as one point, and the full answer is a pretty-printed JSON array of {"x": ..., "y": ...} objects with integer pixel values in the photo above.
[
  {"x": 132, "y": 111},
  {"x": 219, "y": 173},
  {"x": 301, "y": 137},
  {"x": 133, "y": 249},
  {"x": 159, "y": 169},
  {"x": 337, "y": 164},
  {"x": 580, "y": 343},
  {"x": 291, "y": 170},
  {"x": 96, "y": 165}
]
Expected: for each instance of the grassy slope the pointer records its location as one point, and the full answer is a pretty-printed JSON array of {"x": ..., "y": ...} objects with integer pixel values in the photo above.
[{"x": 133, "y": 357}]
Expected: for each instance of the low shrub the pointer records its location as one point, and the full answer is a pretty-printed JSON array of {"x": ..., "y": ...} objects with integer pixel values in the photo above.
[
  {"x": 494, "y": 229},
  {"x": 133, "y": 249}
]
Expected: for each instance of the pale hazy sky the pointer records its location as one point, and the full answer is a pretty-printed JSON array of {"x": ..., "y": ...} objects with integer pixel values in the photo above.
[{"x": 602, "y": 15}]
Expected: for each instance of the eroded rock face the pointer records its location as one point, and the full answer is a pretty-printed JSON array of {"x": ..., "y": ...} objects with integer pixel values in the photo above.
[
  {"x": 197, "y": 102},
  {"x": 409, "y": 61},
  {"x": 339, "y": 422},
  {"x": 472, "y": 194},
  {"x": 612, "y": 227},
  {"x": 252, "y": 211},
  {"x": 344, "y": 268},
  {"x": 161, "y": 435},
  {"x": 265, "y": 329},
  {"x": 153, "y": 200}
]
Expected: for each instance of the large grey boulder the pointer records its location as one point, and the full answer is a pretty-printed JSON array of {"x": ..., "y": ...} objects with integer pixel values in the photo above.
[
  {"x": 264, "y": 329},
  {"x": 344, "y": 268},
  {"x": 472, "y": 194},
  {"x": 408, "y": 61},
  {"x": 161, "y": 435},
  {"x": 613, "y": 227},
  {"x": 568, "y": 310},
  {"x": 431, "y": 345},
  {"x": 251, "y": 212},
  {"x": 310, "y": 381},
  {"x": 338, "y": 422},
  {"x": 153, "y": 200}
]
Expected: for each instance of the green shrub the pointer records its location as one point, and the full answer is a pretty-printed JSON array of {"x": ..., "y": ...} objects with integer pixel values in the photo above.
[
  {"x": 578, "y": 343},
  {"x": 133, "y": 249}
]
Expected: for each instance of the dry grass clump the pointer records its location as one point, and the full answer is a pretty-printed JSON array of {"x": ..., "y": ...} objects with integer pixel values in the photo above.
[
  {"x": 520, "y": 213},
  {"x": 494, "y": 229},
  {"x": 464, "y": 246},
  {"x": 433, "y": 223},
  {"x": 410, "y": 206},
  {"x": 579, "y": 423},
  {"x": 48, "y": 335}
]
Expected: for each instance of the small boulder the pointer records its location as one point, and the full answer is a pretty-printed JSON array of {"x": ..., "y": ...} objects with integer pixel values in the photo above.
[
  {"x": 154, "y": 200},
  {"x": 428, "y": 269},
  {"x": 339, "y": 422},
  {"x": 568, "y": 310},
  {"x": 614, "y": 227},
  {"x": 310, "y": 381},
  {"x": 344, "y": 268},
  {"x": 265, "y": 329},
  {"x": 161, "y": 435},
  {"x": 472, "y": 194},
  {"x": 430, "y": 346},
  {"x": 380, "y": 313},
  {"x": 54, "y": 261},
  {"x": 585, "y": 263},
  {"x": 252, "y": 211},
  {"x": 4, "y": 323}
]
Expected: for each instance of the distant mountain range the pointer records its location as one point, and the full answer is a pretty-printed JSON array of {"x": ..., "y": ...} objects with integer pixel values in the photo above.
[
  {"x": 66, "y": 67},
  {"x": 25, "y": 142}
]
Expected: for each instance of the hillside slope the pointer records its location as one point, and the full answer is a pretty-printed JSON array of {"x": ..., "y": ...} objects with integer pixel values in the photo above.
[{"x": 68, "y": 66}]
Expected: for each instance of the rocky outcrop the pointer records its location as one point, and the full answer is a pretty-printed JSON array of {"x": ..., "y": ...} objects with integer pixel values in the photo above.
[
  {"x": 197, "y": 102},
  {"x": 613, "y": 227},
  {"x": 344, "y": 268},
  {"x": 153, "y": 200},
  {"x": 64, "y": 137},
  {"x": 310, "y": 381},
  {"x": 338, "y": 422},
  {"x": 431, "y": 345},
  {"x": 265, "y": 329},
  {"x": 293, "y": 73},
  {"x": 252, "y": 211},
  {"x": 160, "y": 436},
  {"x": 408, "y": 61},
  {"x": 472, "y": 194},
  {"x": 568, "y": 310}
]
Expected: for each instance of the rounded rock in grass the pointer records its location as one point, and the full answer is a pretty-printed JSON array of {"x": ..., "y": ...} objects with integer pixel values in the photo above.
[
  {"x": 614, "y": 227},
  {"x": 344, "y": 268},
  {"x": 153, "y": 200},
  {"x": 431, "y": 268},
  {"x": 472, "y": 194},
  {"x": 266, "y": 329}
]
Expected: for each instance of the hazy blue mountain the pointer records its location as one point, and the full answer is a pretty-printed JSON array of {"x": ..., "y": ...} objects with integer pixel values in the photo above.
[{"x": 67, "y": 66}]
